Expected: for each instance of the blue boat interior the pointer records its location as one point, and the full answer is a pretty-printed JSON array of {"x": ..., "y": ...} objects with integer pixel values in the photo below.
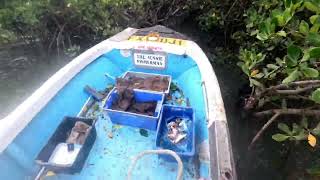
[{"x": 115, "y": 145}]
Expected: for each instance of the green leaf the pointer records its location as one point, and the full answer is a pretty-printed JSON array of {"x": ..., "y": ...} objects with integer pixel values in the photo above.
[
  {"x": 315, "y": 52},
  {"x": 262, "y": 36},
  {"x": 297, "y": 4},
  {"x": 265, "y": 70},
  {"x": 279, "y": 61},
  {"x": 292, "y": 77},
  {"x": 280, "y": 137},
  {"x": 304, "y": 27},
  {"x": 254, "y": 32},
  {"x": 255, "y": 82},
  {"x": 303, "y": 65},
  {"x": 306, "y": 56},
  {"x": 294, "y": 52},
  {"x": 244, "y": 68},
  {"x": 265, "y": 28},
  {"x": 312, "y": 7},
  {"x": 310, "y": 72},
  {"x": 282, "y": 33},
  {"x": 277, "y": 16},
  {"x": 315, "y": 28},
  {"x": 316, "y": 130},
  {"x": 287, "y": 3},
  {"x": 259, "y": 75},
  {"x": 295, "y": 128},
  {"x": 314, "y": 19},
  {"x": 314, "y": 171},
  {"x": 285, "y": 128},
  {"x": 249, "y": 25},
  {"x": 304, "y": 123},
  {"x": 287, "y": 15},
  {"x": 315, "y": 96},
  {"x": 280, "y": 20},
  {"x": 272, "y": 66},
  {"x": 302, "y": 135},
  {"x": 290, "y": 62},
  {"x": 313, "y": 39}
]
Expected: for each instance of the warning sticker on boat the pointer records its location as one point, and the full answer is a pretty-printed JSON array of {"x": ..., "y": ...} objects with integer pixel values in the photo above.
[{"x": 150, "y": 60}]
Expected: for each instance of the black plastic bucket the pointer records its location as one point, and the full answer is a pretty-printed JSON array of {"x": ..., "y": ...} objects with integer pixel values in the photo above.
[{"x": 60, "y": 136}]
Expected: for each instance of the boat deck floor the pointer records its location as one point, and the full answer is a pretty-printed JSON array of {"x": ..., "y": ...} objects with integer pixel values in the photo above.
[{"x": 114, "y": 149}]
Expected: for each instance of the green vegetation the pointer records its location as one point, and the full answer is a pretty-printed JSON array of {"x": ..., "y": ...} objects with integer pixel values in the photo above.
[
  {"x": 277, "y": 46},
  {"x": 280, "y": 54},
  {"x": 66, "y": 24}
]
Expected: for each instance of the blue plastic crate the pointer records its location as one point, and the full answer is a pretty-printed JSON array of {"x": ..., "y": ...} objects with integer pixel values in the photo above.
[
  {"x": 187, "y": 150},
  {"x": 134, "y": 119}
]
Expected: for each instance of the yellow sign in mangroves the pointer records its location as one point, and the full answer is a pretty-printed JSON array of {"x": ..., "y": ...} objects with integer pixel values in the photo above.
[{"x": 179, "y": 42}]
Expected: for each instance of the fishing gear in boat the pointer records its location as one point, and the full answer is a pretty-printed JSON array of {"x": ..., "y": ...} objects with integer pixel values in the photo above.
[{"x": 159, "y": 152}]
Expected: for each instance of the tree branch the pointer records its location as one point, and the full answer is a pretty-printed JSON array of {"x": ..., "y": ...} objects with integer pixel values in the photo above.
[
  {"x": 312, "y": 84},
  {"x": 297, "y": 97},
  {"x": 265, "y": 126},
  {"x": 295, "y": 83},
  {"x": 297, "y": 91},
  {"x": 308, "y": 112}
]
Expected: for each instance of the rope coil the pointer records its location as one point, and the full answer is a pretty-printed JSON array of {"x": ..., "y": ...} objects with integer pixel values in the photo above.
[{"x": 162, "y": 151}]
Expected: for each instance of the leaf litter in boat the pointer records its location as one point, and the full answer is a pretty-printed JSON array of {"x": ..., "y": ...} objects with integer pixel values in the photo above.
[
  {"x": 143, "y": 132},
  {"x": 175, "y": 96}
]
